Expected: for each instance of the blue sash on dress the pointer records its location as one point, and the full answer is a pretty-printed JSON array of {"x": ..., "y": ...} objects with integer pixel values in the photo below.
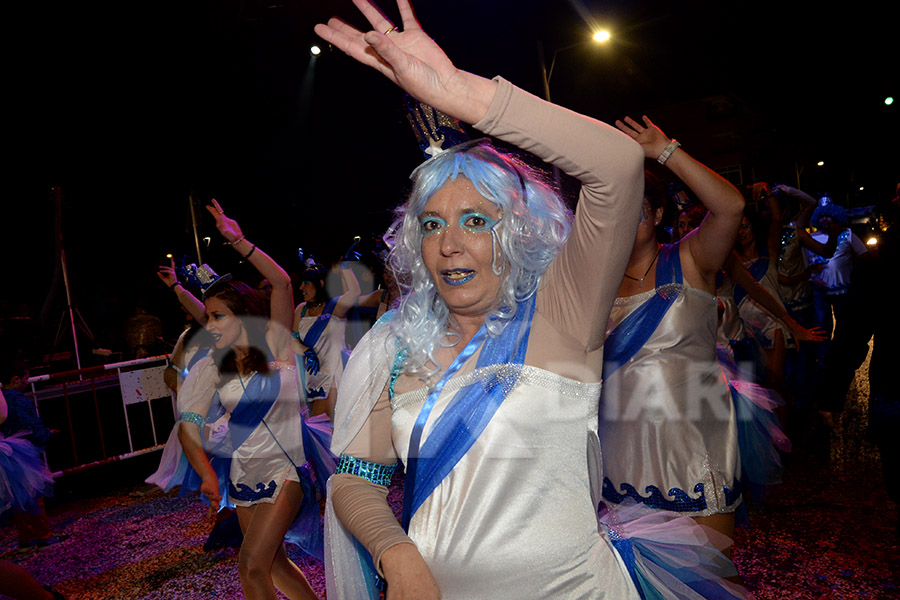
[
  {"x": 201, "y": 353},
  {"x": 258, "y": 397},
  {"x": 758, "y": 270},
  {"x": 311, "y": 360},
  {"x": 632, "y": 333},
  {"x": 467, "y": 414},
  {"x": 315, "y": 332}
]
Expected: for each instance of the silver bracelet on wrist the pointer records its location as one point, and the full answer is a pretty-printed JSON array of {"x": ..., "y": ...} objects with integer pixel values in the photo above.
[{"x": 670, "y": 148}]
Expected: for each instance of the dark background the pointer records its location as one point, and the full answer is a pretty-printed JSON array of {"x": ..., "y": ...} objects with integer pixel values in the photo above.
[{"x": 131, "y": 108}]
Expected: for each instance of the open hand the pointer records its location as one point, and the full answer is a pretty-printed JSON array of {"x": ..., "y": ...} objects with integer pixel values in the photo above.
[
  {"x": 229, "y": 228},
  {"x": 167, "y": 273},
  {"x": 407, "y": 56},
  {"x": 651, "y": 138}
]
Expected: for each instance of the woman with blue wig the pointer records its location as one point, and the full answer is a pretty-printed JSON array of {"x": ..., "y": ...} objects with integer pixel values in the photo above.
[{"x": 484, "y": 381}]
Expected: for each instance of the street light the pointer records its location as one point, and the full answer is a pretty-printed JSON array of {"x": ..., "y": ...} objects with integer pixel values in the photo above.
[{"x": 600, "y": 37}]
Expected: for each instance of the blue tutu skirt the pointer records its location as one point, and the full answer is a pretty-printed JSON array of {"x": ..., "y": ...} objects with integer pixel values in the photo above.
[
  {"x": 24, "y": 478},
  {"x": 760, "y": 436}
]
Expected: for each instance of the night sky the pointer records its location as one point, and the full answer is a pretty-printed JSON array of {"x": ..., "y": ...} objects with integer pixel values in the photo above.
[{"x": 132, "y": 107}]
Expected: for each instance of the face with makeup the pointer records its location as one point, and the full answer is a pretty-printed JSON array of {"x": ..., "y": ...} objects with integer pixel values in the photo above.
[
  {"x": 223, "y": 325},
  {"x": 457, "y": 248}
]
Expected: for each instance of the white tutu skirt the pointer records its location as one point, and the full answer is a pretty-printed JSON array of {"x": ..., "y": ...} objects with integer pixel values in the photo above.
[{"x": 669, "y": 556}]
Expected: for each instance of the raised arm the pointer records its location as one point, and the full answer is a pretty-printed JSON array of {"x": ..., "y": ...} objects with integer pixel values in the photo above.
[
  {"x": 578, "y": 289},
  {"x": 190, "y": 302},
  {"x": 763, "y": 195},
  {"x": 281, "y": 303},
  {"x": 350, "y": 289},
  {"x": 711, "y": 243},
  {"x": 807, "y": 202}
]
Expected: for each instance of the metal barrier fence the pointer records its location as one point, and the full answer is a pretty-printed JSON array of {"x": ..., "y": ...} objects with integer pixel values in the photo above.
[{"x": 105, "y": 413}]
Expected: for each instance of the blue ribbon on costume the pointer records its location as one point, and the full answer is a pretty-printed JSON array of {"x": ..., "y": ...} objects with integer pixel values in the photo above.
[
  {"x": 758, "y": 271},
  {"x": 632, "y": 333},
  {"x": 313, "y": 335},
  {"x": 315, "y": 332},
  {"x": 467, "y": 414},
  {"x": 201, "y": 353},
  {"x": 258, "y": 398},
  {"x": 256, "y": 401}
]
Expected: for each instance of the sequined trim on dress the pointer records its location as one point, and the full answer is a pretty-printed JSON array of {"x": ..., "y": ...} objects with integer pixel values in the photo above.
[
  {"x": 503, "y": 375},
  {"x": 683, "y": 501},
  {"x": 377, "y": 473},
  {"x": 245, "y": 493},
  {"x": 664, "y": 291}
]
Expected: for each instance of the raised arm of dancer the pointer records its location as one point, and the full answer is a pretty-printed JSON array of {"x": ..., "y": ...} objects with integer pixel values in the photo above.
[
  {"x": 350, "y": 288},
  {"x": 281, "y": 304},
  {"x": 190, "y": 302},
  {"x": 808, "y": 205},
  {"x": 762, "y": 194},
  {"x": 710, "y": 244},
  {"x": 743, "y": 278}
]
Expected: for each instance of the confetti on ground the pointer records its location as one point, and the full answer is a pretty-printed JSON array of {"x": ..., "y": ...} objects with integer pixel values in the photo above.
[{"x": 828, "y": 532}]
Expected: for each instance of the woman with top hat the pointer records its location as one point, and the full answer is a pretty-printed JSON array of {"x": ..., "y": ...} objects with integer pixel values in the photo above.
[{"x": 241, "y": 420}]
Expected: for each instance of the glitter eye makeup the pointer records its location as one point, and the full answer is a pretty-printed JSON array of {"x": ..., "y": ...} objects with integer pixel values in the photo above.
[
  {"x": 433, "y": 225},
  {"x": 476, "y": 222}
]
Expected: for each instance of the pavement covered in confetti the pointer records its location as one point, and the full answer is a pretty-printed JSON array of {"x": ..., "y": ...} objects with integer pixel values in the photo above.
[{"x": 828, "y": 532}]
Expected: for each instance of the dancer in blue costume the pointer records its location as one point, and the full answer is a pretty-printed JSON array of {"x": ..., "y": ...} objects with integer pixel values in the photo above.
[
  {"x": 320, "y": 324},
  {"x": 668, "y": 426},
  {"x": 484, "y": 380},
  {"x": 24, "y": 478},
  {"x": 250, "y": 382}
]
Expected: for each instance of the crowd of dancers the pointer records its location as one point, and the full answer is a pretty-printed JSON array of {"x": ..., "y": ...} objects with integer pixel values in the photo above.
[{"x": 583, "y": 403}]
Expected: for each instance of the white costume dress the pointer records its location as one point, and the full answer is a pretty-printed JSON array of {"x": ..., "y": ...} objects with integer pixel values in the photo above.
[
  {"x": 668, "y": 426},
  {"x": 259, "y": 465},
  {"x": 329, "y": 348},
  {"x": 516, "y": 516}
]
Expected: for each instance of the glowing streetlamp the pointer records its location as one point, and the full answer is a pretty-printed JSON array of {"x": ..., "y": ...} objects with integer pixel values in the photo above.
[{"x": 601, "y": 36}]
